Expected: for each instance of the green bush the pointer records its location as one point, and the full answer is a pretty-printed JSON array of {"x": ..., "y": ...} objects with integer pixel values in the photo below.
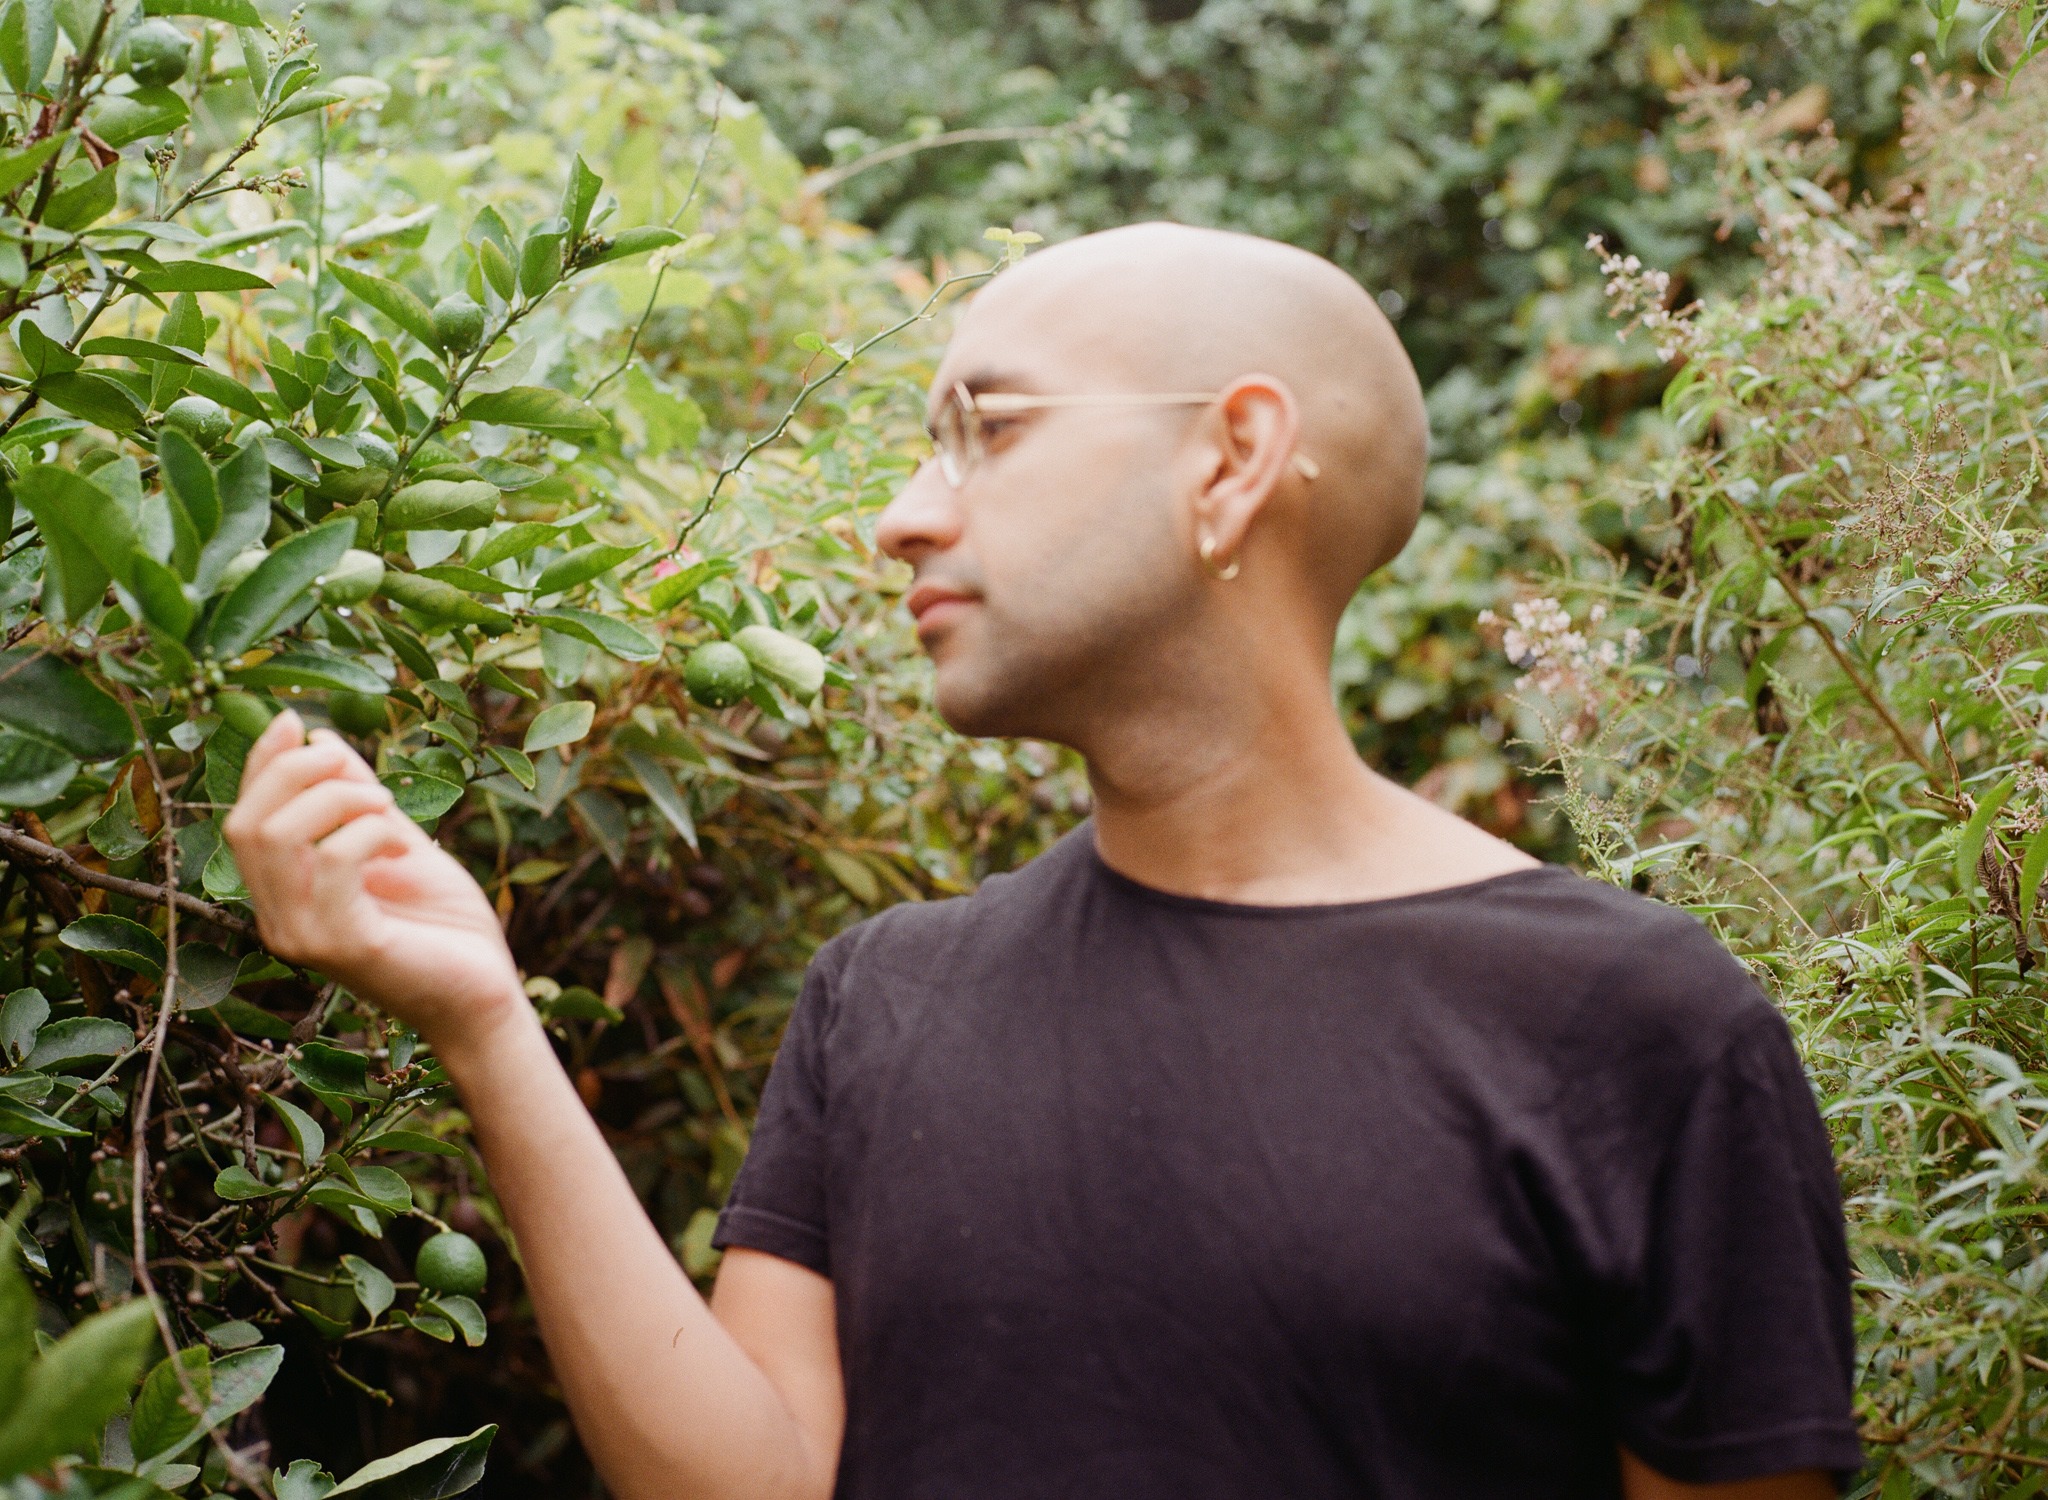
[
  {"x": 456, "y": 417},
  {"x": 1813, "y": 715}
]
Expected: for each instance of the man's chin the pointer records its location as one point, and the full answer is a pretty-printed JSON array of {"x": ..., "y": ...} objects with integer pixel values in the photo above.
[{"x": 973, "y": 705}]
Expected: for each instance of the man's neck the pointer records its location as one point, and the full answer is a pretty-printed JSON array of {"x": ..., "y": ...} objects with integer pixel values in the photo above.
[{"x": 1274, "y": 808}]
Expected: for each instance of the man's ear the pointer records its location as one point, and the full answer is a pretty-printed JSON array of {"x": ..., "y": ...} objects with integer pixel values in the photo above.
[{"x": 1253, "y": 428}]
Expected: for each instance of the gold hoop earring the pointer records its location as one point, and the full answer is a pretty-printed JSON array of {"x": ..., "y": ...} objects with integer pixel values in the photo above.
[{"x": 1208, "y": 552}]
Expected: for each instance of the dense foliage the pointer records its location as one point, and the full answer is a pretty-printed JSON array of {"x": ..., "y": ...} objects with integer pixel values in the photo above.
[
  {"x": 1813, "y": 713},
  {"x": 483, "y": 431}
]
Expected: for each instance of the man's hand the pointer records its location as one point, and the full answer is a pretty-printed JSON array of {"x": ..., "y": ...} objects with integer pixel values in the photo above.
[{"x": 343, "y": 881}]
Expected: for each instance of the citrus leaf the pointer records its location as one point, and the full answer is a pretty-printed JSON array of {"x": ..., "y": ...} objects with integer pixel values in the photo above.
[
  {"x": 123, "y": 119},
  {"x": 234, "y": 12},
  {"x": 202, "y": 276},
  {"x": 582, "y": 565},
  {"x": 237, "y": 1184},
  {"x": 419, "y": 796},
  {"x": 97, "y": 399},
  {"x": 69, "y": 511},
  {"x": 601, "y": 631},
  {"x": 311, "y": 669},
  {"x": 442, "y": 505},
  {"x": 328, "y": 1069},
  {"x": 79, "y": 1037},
  {"x": 559, "y": 724},
  {"x": 397, "y": 303},
  {"x": 76, "y": 1386},
  {"x": 51, "y": 700},
  {"x": 639, "y": 241},
  {"x": 308, "y": 1139},
  {"x": 425, "y": 1471},
  {"x": 280, "y": 581},
  {"x": 372, "y": 1287},
  {"x": 116, "y": 940},
  {"x": 31, "y": 772},
  {"x": 142, "y": 351},
  {"x": 441, "y": 601},
  {"x": 161, "y": 1420},
  {"x": 20, "y": 166},
  {"x": 463, "y": 1312},
  {"x": 537, "y": 408},
  {"x": 662, "y": 791}
]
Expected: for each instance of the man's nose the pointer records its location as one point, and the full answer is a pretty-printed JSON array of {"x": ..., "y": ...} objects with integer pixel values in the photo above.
[{"x": 924, "y": 517}]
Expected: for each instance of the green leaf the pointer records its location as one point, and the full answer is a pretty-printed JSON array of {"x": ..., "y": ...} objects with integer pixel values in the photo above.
[
  {"x": 462, "y": 1312},
  {"x": 328, "y": 1069},
  {"x": 425, "y": 1471},
  {"x": 442, "y": 505},
  {"x": 601, "y": 631},
  {"x": 51, "y": 700},
  {"x": 43, "y": 355},
  {"x": 419, "y": 796},
  {"x": 84, "y": 202},
  {"x": 311, "y": 669},
  {"x": 239, "y": 1381},
  {"x": 1978, "y": 829},
  {"x": 76, "y": 1386},
  {"x": 205, "y": 975},
  {"x": 237, "y": 1184},
  {"x": 102, "y": 401},
  {"x": 668, "y": 592},
  {"x": 308, "y": 1139},
  {"x": 21, "y": 1014},
  {"x": 281, "y": 580},
  {"x": 189, "y": 477},
  {"x": 582, "y": 565},
  {"x": 644, "y": 240},
  {"x": 161, "y": 593},
  {"x": 117, "y": 833},
  {"x": 372, "y": 1287},
  {"x": 31, "y": 772},
  {"x": 164, "y": 1416},
  {"x": 306, "y": 103},
  {"x": 18, "y": 167},
  {"x": 202, "y": 276},
  {"x": 234, "y": 12},
  {"x": 518, "y": 766},
  {"x": 18, "y": 1117},
  {"x": 17, "y": 1308},
  {"x": 243, "y": 484},
  {"x": 142, "y": 351},
  {"x": 537, "y": 408},
  {"x": 122, "y": 119},
  {"x": 514, "y": 541},
  {"x": 409, "y": 1140},
  {"x": 441, "y": 601},
  {"x": 383, "y": 1187},
  {"x": 116, "y": 940},
  {"x": 559, "y": 724},
  {"x": 397, "y": 303},
  {"x": 540, "y": 262},
  {"x": 204, "y": 380},
  {"x": 69, "y": 511},
  {"x": 662, "y": 791},
  {"x": 304, "y": 1480},
  {"x": 580, "y": 196}
]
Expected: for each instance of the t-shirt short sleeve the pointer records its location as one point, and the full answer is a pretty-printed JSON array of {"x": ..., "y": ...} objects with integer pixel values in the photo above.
[
  {"x": 1730, "y": 1336},
  {"x": 778, "y": 1201}
]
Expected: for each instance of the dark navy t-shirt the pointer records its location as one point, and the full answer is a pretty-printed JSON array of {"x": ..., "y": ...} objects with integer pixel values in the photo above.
[{"x": 1128, "y": 1195}]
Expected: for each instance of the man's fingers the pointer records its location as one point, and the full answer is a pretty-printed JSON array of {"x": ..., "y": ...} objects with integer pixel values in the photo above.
[
  {"x": 289, "y": 772},
  {"x": 285, "y": 732},
  {"x": 339, "y": 858},
  {"x": 356, "y": 768},
  {"x": 320, "y": 810}
]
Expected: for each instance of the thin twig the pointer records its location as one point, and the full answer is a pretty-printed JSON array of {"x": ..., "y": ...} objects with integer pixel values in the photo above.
[
  {"x": 820, "y": 183},
  {"x": 167, "y": 895}
]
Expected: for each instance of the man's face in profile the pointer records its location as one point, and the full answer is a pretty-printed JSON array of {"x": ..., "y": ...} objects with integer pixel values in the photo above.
[{"x": 1056, "y": 556}]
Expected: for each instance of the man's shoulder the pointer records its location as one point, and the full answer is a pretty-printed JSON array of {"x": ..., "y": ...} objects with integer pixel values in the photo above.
[{"x": 1631, "y": 971}]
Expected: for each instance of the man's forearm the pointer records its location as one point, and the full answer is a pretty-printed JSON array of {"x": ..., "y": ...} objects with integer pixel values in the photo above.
[{"x": 668, "y": 1405}]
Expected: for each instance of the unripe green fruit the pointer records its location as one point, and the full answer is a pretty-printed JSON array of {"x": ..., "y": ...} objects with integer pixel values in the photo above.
[
  {"x": 240, "y": 566},
  {"x": 200, "y": 418},
  {"x": 358, "y": 713},
  {"x": 718, "y": 674},
  {"x": 246, "y": 715},
  {"x": 796, "y": 665},
  {"x": 353, "y": 579},
  {"x": 451, "y": 1262},
  {"x": 156, "y": 53},
  {"x": 458, "y": 324}
]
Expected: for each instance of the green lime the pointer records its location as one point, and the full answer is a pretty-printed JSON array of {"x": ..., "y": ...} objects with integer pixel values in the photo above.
[
  {"x": 358, "y": 713},
  {"x": 247, "y": 716},
  {"x": 718, "y": 674},
  {"x": 156, "y": 53},
  {"x": 451, "y": 1262},
  {"x": 458, "y": 324},
  {"x": 200, "y": 418}
]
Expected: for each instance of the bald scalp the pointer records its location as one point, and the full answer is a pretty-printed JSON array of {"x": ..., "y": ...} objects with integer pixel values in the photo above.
[{"x": 1170, "y": 307}]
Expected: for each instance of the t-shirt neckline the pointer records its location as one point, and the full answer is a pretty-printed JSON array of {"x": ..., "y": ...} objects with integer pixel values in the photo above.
[{"x": 1259, "y": 910}]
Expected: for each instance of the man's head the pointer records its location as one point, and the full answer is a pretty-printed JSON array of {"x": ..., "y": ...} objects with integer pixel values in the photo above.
[{"x": 1063, "y": 580}]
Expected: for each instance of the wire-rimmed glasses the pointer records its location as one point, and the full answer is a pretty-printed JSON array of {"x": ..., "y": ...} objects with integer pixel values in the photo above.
[{"x": 957, "y": 433}]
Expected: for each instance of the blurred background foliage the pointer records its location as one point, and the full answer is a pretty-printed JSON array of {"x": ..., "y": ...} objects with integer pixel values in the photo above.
[{"x": 1455, "y": 154}]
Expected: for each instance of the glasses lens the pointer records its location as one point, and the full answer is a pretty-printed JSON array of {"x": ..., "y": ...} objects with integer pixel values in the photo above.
[{"x": 951, "y": 437}]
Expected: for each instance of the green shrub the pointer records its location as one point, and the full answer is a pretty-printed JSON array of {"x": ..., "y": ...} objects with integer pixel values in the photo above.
[
  {"x": 456, "y": 418},
  {"x": 1814, "y": 716}
]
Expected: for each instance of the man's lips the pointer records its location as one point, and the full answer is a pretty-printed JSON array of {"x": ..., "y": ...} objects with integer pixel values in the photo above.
[{"x": 933, "y": 604}]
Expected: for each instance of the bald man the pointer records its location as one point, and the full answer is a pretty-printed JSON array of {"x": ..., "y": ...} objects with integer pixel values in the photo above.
[{"x": 1276, "y": 1134}]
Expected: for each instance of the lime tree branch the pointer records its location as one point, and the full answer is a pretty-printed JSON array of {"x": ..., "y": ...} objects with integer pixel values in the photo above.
[
  {"x": 17, "y": 845},
  {"x": 820, "y": 183},
  {"x": 653, "y": 292},
  {"x": 810, "y": 388}
]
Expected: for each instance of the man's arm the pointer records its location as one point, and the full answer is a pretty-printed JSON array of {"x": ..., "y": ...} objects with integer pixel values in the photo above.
[
  {"x": 1641, "y": 1482},
  {"x": 671, "y": 1398}
]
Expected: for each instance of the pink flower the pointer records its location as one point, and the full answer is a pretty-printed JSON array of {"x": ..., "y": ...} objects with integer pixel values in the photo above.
[{"x": 667, "y": 566}]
